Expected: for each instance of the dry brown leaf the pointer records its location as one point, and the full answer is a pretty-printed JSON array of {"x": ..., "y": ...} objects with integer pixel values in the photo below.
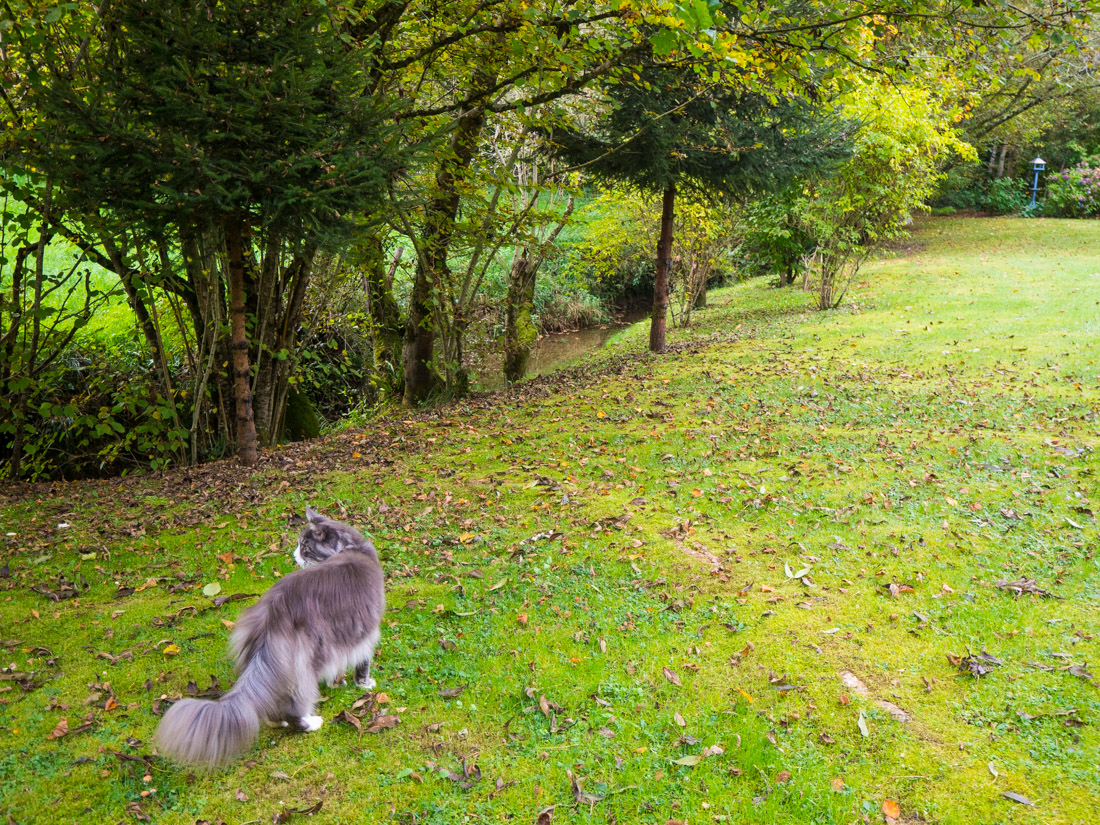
[{"x": 672, "y": 677}]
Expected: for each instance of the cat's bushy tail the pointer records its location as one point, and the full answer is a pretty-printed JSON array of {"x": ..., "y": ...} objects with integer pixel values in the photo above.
[{"x": 209, "y": 734}]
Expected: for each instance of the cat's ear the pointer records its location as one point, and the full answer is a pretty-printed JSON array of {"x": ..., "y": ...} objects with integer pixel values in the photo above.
[{"x": 312, "y": 515}]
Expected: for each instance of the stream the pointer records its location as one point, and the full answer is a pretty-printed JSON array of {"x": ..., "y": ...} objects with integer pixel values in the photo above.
[{"x": 557, "y": 349}]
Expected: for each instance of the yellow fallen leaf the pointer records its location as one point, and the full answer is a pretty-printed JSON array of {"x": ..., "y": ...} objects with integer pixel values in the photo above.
[
  {"x": 745, "y": 695},
  {"x": 171, "y": 650},
  {"x": 891, "y": 809}
]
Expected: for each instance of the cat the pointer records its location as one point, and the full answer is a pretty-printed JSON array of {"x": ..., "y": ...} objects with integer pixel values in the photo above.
[{"x": 312, "y": 625}]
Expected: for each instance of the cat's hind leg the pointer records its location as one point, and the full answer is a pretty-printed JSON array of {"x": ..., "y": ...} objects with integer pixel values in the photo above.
[
  {"x": 299, "y": 714},
  {"x": 362, "y": 670},
  {"x": 362, "y": 676}
]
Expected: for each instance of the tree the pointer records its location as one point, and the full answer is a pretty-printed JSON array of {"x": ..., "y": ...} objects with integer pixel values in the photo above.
[
  {"x": 668, "y": 129},
  {"x": 904, "y": 137},
  {"x": 236, "y": 138}
]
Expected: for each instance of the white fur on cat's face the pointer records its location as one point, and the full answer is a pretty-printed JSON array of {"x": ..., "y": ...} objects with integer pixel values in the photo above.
[{"x": 298, "y": 555}]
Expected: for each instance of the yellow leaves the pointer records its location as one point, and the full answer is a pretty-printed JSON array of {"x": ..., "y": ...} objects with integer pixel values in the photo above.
[
  {"x": 171, "y": 650},
  {"x": 751, "y": 701}
]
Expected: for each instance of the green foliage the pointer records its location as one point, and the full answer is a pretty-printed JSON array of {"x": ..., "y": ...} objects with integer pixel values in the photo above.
[
  {"x": 334, "y": 366},
  {"x": 97, "y": 412},
  {"x": 669, "y": 127},
  {"x": 1074, "y": 193},
  {"x": 1006, "y": 196},
  {"x": 775, "y": 241},
  {"x": 903, "y": 137},
  {"x": 180, "y": 113}
]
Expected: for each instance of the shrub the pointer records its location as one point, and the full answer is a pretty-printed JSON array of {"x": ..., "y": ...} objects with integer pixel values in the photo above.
[
  {"x": 1007, "y": 196},
  {"x": 1074, "y": 193},
  {"x": 99, "y": 412}
]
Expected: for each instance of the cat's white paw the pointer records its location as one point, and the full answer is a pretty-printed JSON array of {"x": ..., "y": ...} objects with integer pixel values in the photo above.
[
  {"x": 367, "y": 684},
  {"x": 312, "y": 723}
]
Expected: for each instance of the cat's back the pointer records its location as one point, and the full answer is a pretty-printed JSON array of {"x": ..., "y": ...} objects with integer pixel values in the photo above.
[{"x": 347, "y": 582}]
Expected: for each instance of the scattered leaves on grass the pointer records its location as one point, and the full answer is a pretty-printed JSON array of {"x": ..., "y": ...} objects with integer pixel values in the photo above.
[
  {"x": 383, "y": 722},
  {"x": 467, "y": 779},
  {"x": 1024, "y": 585},
  {"x": 285, "y": 814},
  {"x": 978, "y": 665}
]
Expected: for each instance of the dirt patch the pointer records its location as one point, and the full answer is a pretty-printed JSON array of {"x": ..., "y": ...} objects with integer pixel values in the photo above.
[{"x": 858, "y": 687}]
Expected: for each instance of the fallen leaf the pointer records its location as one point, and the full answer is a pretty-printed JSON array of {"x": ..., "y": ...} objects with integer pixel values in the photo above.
[
  {"x": 678, "y": 719},
  {"x": 60, "y": 730},
  {"x": 286, "y": 813},
  {"x": 212, "y": 589},
  {"x": 383, "y": 722},
  {"x": 861, "y": 723},
  {"x": 783, "y": 777},
  {"x": 689, "y": 760},
  {"x": 672, "y": 677},
  {"x": 171, "y": 650},
  {"x": 1015, "y": 797},
  {"x": 451, "y": 693},
  {"x": 891, "y": 809},
  {"x": 837, "y": 784},
  {"x": 241, "y": 795}
]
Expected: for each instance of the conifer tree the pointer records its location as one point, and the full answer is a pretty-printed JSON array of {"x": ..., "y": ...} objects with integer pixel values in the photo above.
[{"x": 668, "y": 130}]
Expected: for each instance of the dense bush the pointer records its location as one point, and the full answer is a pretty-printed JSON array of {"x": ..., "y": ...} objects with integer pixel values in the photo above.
[
  {"x": 1006, "y": 196},
  {"x": 98, "y": 412},
  {"x": 1074, "y": 193},
  {"x": 775, "y": 241}
]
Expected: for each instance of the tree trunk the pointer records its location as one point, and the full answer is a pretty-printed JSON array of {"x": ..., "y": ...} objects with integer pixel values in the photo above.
[
  {"x": 242, "y": 386},
  {"x": 1001, "y": 162},
  {"x": 439, "y": 224},
  {"x": 519, "y": 330},
  {"x": 385, "y": 316},
  {"x": 659, "y": 320},
  {"x": 419, "y": 346},
  {"x": 701, "y": 295}
]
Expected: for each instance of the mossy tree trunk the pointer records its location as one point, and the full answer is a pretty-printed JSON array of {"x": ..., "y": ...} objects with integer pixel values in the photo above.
[{"x": 519, "y": 329}]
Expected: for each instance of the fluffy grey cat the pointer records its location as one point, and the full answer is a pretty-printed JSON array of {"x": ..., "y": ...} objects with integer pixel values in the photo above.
[{"x": 311, "y": 625}]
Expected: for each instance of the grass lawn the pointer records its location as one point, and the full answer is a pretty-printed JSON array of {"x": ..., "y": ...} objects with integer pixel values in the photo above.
[{"x": 735, "y": 583}]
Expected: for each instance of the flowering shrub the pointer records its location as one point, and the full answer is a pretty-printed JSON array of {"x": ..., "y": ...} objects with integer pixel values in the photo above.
[{"x": 1075, "y": 193}]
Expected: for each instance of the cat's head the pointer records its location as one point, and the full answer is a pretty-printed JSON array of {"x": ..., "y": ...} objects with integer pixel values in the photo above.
[{"x": 324, "y": 537}]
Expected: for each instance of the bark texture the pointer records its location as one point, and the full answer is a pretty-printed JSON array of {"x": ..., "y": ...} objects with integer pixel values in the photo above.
[{"x": 659, "y": 321}]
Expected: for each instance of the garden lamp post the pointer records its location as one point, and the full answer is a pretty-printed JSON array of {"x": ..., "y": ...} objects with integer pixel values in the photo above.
[{"x": 1038, "y": 165}]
